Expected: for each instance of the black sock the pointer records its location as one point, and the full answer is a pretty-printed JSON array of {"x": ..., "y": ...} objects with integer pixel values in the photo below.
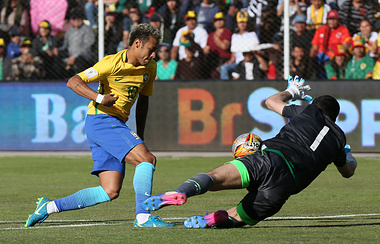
[
  {"x": 230, "y": 223},
  {"x": 199, "y": 184}
]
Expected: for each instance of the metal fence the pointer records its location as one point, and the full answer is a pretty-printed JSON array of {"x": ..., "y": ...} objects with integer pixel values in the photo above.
[{"x": 233, "y": 40}]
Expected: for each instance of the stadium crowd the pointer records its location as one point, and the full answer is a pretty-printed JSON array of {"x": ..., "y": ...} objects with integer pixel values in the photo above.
[{"x": 201, "y": 39}]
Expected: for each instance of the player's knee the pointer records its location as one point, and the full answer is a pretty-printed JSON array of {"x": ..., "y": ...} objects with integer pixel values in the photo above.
[
  {"x": 150, "y": 158},
  {"x": 113, "y": 194}
]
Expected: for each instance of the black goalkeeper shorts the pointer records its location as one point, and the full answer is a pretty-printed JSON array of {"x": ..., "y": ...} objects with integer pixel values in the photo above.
[{"x": 271, "y": 184}]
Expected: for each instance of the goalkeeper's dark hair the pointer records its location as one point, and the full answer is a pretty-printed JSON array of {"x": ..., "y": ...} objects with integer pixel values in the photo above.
[
  {"x": 143, "y": 32},
  {"x": 329, "y": 106}
]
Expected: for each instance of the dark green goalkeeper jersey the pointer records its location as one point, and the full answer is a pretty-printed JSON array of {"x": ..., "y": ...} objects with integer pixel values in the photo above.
[{"x": 310, "y": 141}]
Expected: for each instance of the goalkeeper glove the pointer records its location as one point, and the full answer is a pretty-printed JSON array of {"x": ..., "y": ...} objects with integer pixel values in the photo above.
[{"x": 297, "y": 88}]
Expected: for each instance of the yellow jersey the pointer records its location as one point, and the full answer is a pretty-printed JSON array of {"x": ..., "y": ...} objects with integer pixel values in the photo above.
[{"x": 117, "y": 76}]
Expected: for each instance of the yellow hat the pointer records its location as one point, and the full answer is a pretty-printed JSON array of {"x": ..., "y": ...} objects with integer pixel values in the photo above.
[
  {"x": 26, "y": 43},
  {"x": 242, "y": 16},
  {"x": 45, "y": 24},
  {"x": 190, "y": 15},
  {"x": 358, "y": 41},
  {"x": 1, "y": 42},
  {"x": 185, "y": 42},
  {"x": 218, "y": 16}
]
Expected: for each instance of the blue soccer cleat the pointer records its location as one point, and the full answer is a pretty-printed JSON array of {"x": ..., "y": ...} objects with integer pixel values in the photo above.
[
  {"x": 153, "y": 221},
  {"x": 197, "y": 221},
  {"x": 40, "y": 214},
  {"x": 159, "y": 201}
]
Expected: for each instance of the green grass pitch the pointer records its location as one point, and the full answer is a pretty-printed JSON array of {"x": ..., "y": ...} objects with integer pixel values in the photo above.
[{"x": 331, "y": 210}]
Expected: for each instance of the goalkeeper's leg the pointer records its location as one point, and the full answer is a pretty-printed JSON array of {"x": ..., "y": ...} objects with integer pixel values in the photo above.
[{"x": 224, "y": 177}]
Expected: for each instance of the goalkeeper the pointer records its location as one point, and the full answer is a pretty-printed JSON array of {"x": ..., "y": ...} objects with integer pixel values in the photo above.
[{"x": 283, "y": 165}]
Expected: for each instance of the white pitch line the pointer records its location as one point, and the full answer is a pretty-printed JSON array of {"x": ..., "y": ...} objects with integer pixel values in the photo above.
[
  {"x": 174, "y": 218},
  {"x": 59, "y": 226}
]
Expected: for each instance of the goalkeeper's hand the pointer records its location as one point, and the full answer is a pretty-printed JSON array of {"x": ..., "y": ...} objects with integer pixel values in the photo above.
[
  {"x": 349, "y": 157},
  {"x": 297, "y": 88}
]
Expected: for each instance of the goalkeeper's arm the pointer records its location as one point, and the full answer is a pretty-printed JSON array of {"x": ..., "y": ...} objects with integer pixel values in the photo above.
[
  {"x": 278, "y": 101},
  {"x": 348, "y": 169}
]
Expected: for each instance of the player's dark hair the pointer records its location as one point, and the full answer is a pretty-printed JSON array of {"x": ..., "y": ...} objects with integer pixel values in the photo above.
[
  {"x": 143, "y": 32},
  {"x": 329, "y": 106}
]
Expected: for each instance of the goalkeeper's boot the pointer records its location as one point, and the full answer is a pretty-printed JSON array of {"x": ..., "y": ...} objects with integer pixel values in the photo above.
[
  {"x": 159, "y": 201},
  {"x": 153, "y": 221},
  {"x": 40, "y": 214},
  {"x": 197, "y": 221}
]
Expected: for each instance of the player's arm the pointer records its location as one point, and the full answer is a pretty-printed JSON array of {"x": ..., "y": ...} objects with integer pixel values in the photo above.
[
  {"x": 278, "y": 101},
  {"x": 295, "y": 90},
  {"x": 141, "y": 114},
  {"x": 348, "y": 169},
  {"x": 80, "y": 87}
]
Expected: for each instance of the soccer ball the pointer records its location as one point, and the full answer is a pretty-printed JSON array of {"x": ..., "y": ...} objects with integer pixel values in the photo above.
[{"x": 245, "y": 144}]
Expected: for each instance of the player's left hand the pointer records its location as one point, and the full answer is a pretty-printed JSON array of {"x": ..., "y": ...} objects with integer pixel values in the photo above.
[{"x": 297, "y": 88}]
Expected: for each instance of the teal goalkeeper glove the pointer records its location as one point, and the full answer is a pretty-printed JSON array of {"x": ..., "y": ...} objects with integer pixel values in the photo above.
[{"x": 297, "y": 88}]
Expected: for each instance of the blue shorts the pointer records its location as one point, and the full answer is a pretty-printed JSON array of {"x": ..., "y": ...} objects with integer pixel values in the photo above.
[{"x": 110, "y": 140}]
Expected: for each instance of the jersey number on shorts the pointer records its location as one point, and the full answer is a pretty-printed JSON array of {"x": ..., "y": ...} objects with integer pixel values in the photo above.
[
  {"x": 319, "y": 138},
  {"x": 132, "y": 92}
]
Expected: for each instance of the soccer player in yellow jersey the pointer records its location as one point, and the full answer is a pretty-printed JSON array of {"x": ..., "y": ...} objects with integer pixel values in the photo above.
[{"x": 123, "y": 78}]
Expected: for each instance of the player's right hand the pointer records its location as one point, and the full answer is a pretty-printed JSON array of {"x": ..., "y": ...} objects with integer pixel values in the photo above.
[
  {"x": 109, "y": 99},
  {"x": 297, "y": 88}
]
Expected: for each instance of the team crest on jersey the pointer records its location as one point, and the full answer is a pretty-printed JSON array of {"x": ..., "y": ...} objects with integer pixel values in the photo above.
[
  {"x": 363, "y": 66},
  {"x": 145, "y": 77}
]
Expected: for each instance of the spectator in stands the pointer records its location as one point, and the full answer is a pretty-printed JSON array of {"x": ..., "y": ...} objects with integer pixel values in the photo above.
[
  {"x": 353, "y": 11},
  {"x": 264, "y": 14},
  {"x": 275, "y": 57},
  {"x": 166, "y": 67},
  {"x": 233, "y": 9},
  {"x": 376, "y": 69},
  {"x": 205, "y": 12},
  {"x": 269, "y": 23},
  {"x": 53, "y": 11},
  {"x": 295, "y": 8},
  {"x": 335, "y": 4},
  {"x": 325, "y": 39},
  {"x": 301, "y": 36},
  {"x": 200, "y": 37},
  {"x": 336, "y": 68},
  {"x": 26, "y": 66},
  {"x": 253, "y": 67},
  {"x": 77, "y": 43},
  {"x": 173, "y": 19},
  {"x": 316, "y": 14},
  {"x": 218, "y": 46},
  {"x": 240, "y": 39},
  {"x": 360, "y": 66},
  {"x": 157, "y": 21},
  {"x": 370, "y": 37},
  {"x": 15, "y": 14},
  {"x": 45, "y": 46},
  {"x": 91, "y": 10},
  {"x": 13, "y": 49},
  {"x": 131, "y": 20},
  {"x": 113, "y": 31},
  {"x": 191, "y": 67},
  {"x": 5, "y": 63},
  {"x": 299, "y": 63}
]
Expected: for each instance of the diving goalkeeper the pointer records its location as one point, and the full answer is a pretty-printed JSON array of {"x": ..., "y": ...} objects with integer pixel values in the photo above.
[{"x": 283, "y": 165}]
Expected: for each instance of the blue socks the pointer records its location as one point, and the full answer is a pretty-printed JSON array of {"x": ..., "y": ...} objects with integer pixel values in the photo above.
[
  {"x": 142, "y": 183},
  {"x": 84, "y": 198}
]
